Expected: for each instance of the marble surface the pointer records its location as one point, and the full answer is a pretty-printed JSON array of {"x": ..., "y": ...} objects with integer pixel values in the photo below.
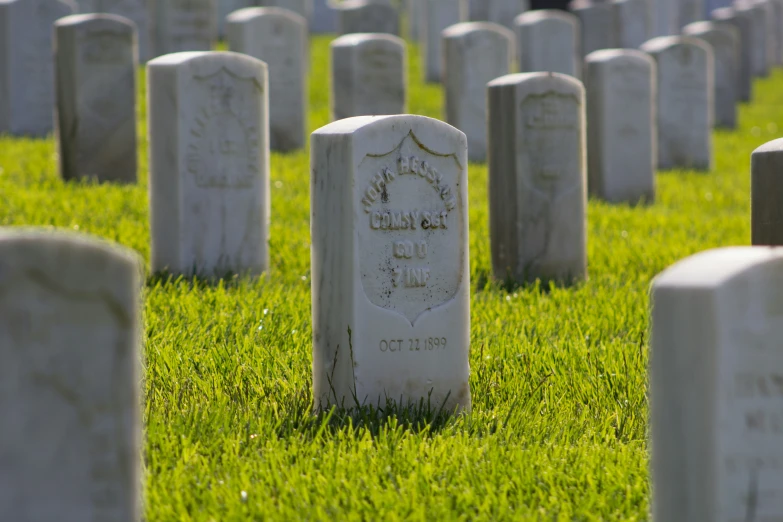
[
  {"x": 537, "y": 178},
  {"x": 621, "y": 144},
  {"x": 715, "y": 387},
  {"x": 724, "y": 40},
  {"x": 324, "y": 19},
  {"x": 757, "y": 15},
  {"x": 548, "y": 41},
  {"x": 632, "y": 23},
  {"x": 500, "y": 12},
  {"x": 369, "y": 76},
  {"x": 27, "y": 65},
  {"x": 364, "y": 16},
  {"x": 209, "y": 163},
  {"x": 70, "y": 361},
  {"x": 303, "y": 8},
  {"x": 742, "y": 22},
  {"x": 438, "y": 15},
  {"x": 184, "y": 25},
  {"x": 390, "y": 263},
  {"x": 225, "y": 8},
  {"x": 684, "y": 100},
  {"x": 95, "y": 75},
  {"x": 474, "y": 53},
  {"x": 766, "y": 187},
  {"x": 596, "y": 26},
  {"x": 277, "y": 37}
]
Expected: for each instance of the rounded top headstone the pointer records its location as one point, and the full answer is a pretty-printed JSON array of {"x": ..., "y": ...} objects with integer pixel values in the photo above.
[
  {"x": 716, "y": 267},
  {"x": 251, "y": 13},
  {"x": 604, "y": 55},
  {"x": 664, "y": 43},
  {"x": 107, "y": 20},
  {"x": 544, "y": 80},
  {"x": 540, "y": 15},
  {"x": 352, "y": 39},
  {"x": 774, "y": 146},
  {"x": 466, "y": 28}
]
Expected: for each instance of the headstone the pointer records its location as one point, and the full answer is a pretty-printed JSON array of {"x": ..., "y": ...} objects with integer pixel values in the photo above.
[
  {"x": 414, "y": 18},
  {"x": 303, "y": 8},
  {"x": 474, "y": 53},
  {"x": 324, "y": 18},
  {"x": 225, "y": 8},
  {"x": 596, "y": 26},
  {"x": 363, "y": 16},
  {"x": 438, "y": 15},
  {"x": 766, "y": 188},
  {"x": 278, "y": 37},
  {"x": 631, "y": 18},
  {"x": 777, "y": 7},
  {"x": 95, "y": 74},
  {"x": 743, "y": 23},
  {"x": 27, "y": 65},
  {"x": 621, "y": 148},
  {"x": 724, "y": 40},
  {"x": 664, "y": 18},
  {"x": 685, "y": 109},
  {"x": 770, "y": 31},
  {"x": 500, "y": 12},
  {"x": 537, "y": 178},
  {"x": 756, "y": 13},
  {"x": 369, "y": 76},
  {"x": 185, "y": 25},
  {"x": 716, "y": 382},
  {"x": 390, "y": 266},
  {"x": 137, "y": 11},
  {"x": 690, "y": 11},
  {"x": 209, "y": 163},
  {"x": 70, "y": 352},
  {"x": 548, "y": 40}
]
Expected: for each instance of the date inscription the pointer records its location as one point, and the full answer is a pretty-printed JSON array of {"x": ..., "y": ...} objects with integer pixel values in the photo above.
[{"x": 424, "y": 344}]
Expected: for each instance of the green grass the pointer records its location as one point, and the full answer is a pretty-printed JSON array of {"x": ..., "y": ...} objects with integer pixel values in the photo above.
[{"x": 559, "y": 427}]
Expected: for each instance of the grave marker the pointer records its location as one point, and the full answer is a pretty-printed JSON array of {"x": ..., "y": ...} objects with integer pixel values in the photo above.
[
  {"x": 724, "y": 40},
  {"x": 766, "y": 187},
  {"x": 303, "y": 8},
  {"x": 537, "y": 177},
  {"x": 209, "y": 163},
  {"x": 368, "y": 76},
  {"x": 741, "y": 21},
  {"x": 756, "y": 13},
  {"x": 684, "y": 100},
  {"x": 225, "y": 8},
  {"x": 95, "y": 70},
  {"x": 390, "y": 263},
  {"x": 716, "y": 379},
  {"x": 278, "y": 37},
  {"x": 632, "y": 23},
  {"x": 185, "y": 25},
  {"x": 596, "y": 25},
  {"x": 547, "y": 40},
  {"x": 364, "y": 16},
  {"x": 474, "y": 53},
  {"x": 500, "y": 12},
  {"x": 27, "y": 65},
  {"x": 621, "y": 148},
  {"x": 70, "y": 352},
  {"x": 437, "y": 16},
  {"x": 324, "y": 18}
]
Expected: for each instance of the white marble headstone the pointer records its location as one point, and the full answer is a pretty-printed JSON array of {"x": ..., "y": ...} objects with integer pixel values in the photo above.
[
  {"x": 548, "y": 40},
  {"x": 690, "y": 11},
  {"x": 27, "y": 65},
  {"x": 474, "y": 53},
  {"x": 716, "y": 379},
  {"x": 95, "y": 71},
  {"x": 324, "y": 18},
  {"x": 437, "y": 16},
  {"x": 368, "y": 76},
  {"x": 303, "y": 8},
  {"x": 70, "y": 354},
  {"x": 225, "y": 8},
  {"x": 500, "y": 12},
  {"x": 390, "y": 263},
  {"x": 766, "y": 187},
  {"x": 185, "y": 25},
  {"x": 209, "y": 163},
  {"x": 366, "y": 16},
  {"x": 724, "y": 40},
  {"x": 621, "y": 144},
  {"x": 685, "y": 92},
  {"x": 139, "y": 12},
  {"x": 596, "y": 25},
  {"x": 537, "y": 177},
  {"x": 757, "y": 15},
  {"x": 632, "y": 22},
  {"x": 743, "y": 23},
  {"x": 277, "y": 37}
]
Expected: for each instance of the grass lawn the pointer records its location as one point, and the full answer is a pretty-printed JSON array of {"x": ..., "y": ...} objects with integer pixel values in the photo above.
[{"x": 559, "y": 424}]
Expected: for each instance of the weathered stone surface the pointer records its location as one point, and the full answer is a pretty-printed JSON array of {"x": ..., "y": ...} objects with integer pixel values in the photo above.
[
  {"x": 140, "y": 12},
  {"x": 632, "y": 23},
  {"x": 95, "y": 71},
  {"x": 664, "y": 18},
  {"x": 770, "y": 31},
  {"x": 690, "y": 11},
  {"x": 303, "y": 8},
  {"x": 369, "y": 76},
  {"x": 364, "y": 16},
  {"x": 278, "y": 37},
  {"x": 596, "y": 26},
  {"x": 474, "y": 53},
  {"x": 324, "y": 18},
  {"x": 777, "y": 7},
  {"x": 225, "y": 8},
  {"x": 390, "y": 263},
  {"x": 766, "y": 165},
  {"x": 414, "y": 9},
  {"x": 209, "y": 163},
  {"x": 500, "y": 12},
  {"x": 537, "y": 177},
  {"x": 743, "y": 23},
  {"x": 70, "y": 352},
  {"x": 185, "y": 25},
  {"x": 684, "y": 101},
  {"x": 438, "y": 15},
  {"x": 621, "y": 146},
  {"x": 548, "y": 40},
  {"x": 756, "y": 13},
  {"x": 724, "y": 40},
  {"x": 27, "y": 65},
  {"x": 715, "y": 384}
]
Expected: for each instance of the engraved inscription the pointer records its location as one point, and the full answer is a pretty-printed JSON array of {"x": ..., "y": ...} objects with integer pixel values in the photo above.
[
  {"x": 223, "y": 140},
  {"x": 411, "y": 244},
  {"x": 413, "y": 345}
]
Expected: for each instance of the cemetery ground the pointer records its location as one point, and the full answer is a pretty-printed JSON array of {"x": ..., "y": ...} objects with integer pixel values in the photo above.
[{"x": 559, "y": 426}]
